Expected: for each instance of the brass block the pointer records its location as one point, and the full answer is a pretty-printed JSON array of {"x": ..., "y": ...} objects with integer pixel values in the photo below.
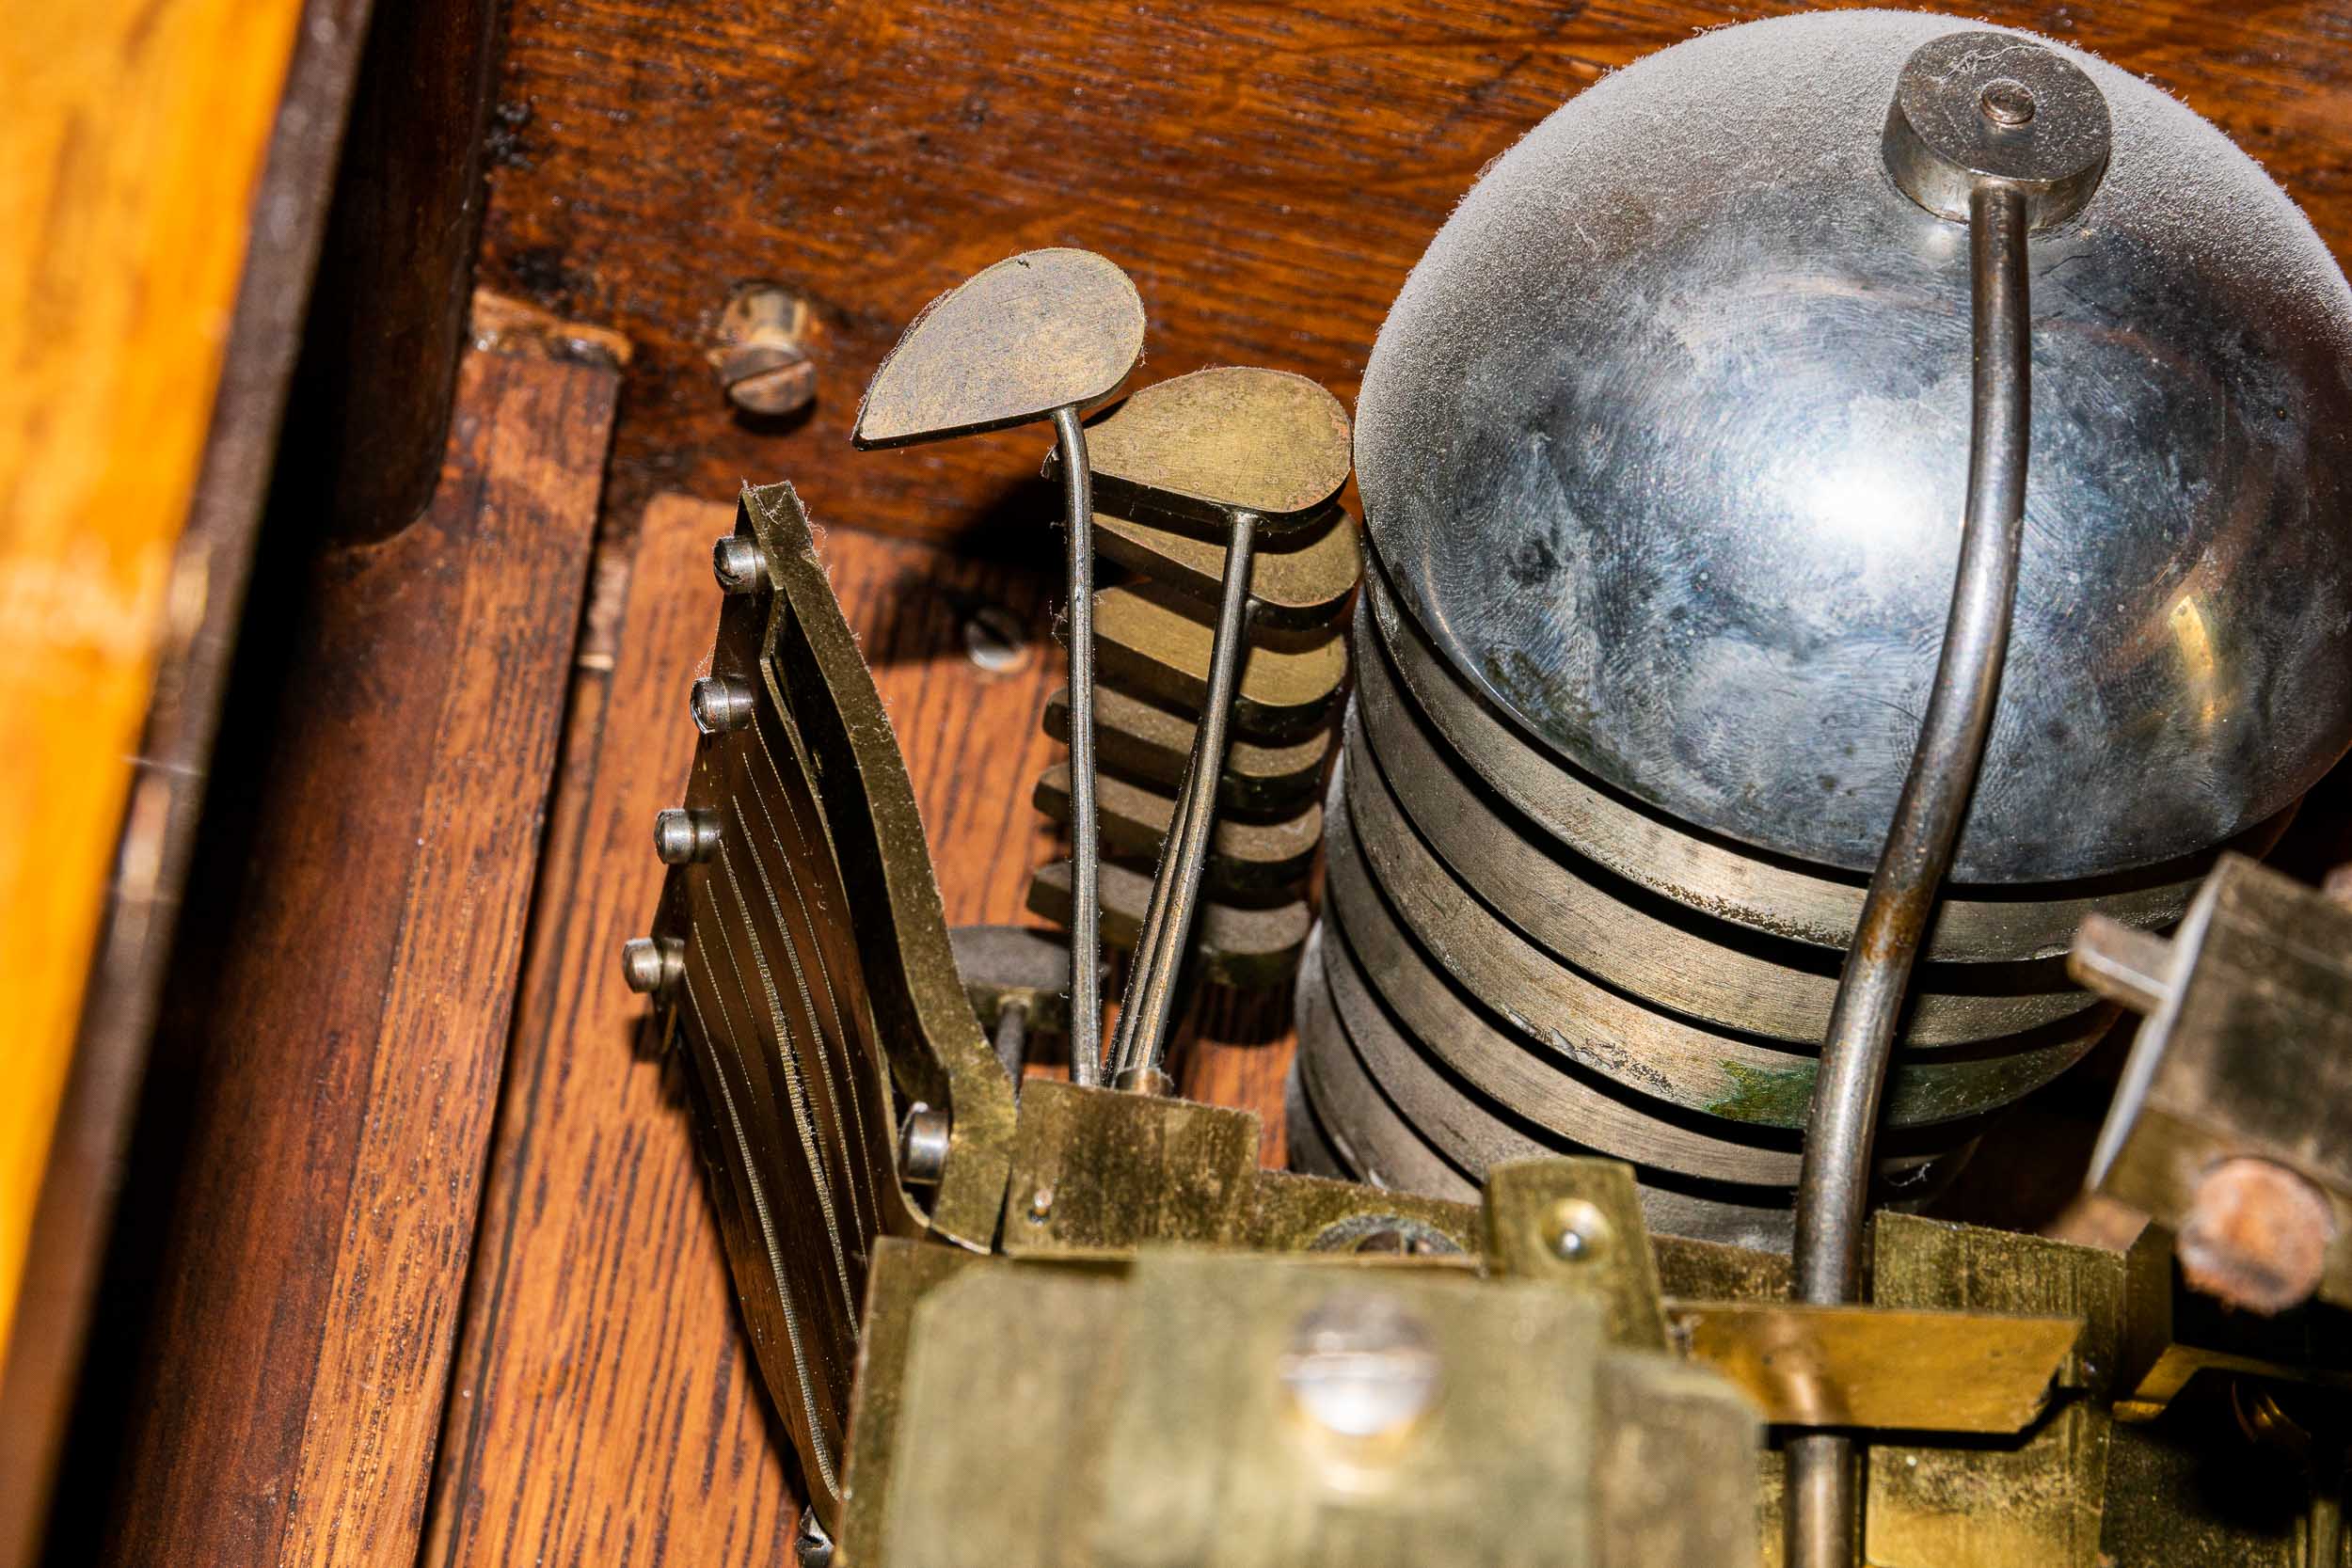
[
  {"x": 1576, "y": 1224},
  {"x": 1097, "y": 1173},
  {"x": 2030, "y": 1503}
]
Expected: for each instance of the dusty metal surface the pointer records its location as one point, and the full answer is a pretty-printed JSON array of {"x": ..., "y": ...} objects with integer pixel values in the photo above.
[
  {"x": 1241, "y": 1411},
  {"x": 1152, "y": 644},
  {"x": 1097, "y": 1174},
  {"x": 1847, "y": 1365},
  {"x": 1576, "y": 1225},
  {"x": 1044, "y": 331},
  {"x": 1150, "y": 743},
  {"x": 1572, "y": 1021},
  {"x": 1777, "y": 897},
  {"x": 2029, "y": 1504},
  {"x": 1245, "y": 857},
  {"x": 1673, "y": 957},
  {"x": 1238, "y": 946},
  {"x": 1297, "y": 578},
  {"x": 1233, "y": 438}
]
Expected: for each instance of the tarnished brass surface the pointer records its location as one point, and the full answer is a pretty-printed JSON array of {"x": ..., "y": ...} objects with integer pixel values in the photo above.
[
  {"x": 1246, "y": 858},
  {"x": 2191, "y": 1493},
  {"x": 1232, "y": 438},
  {"x": 903, "y": 1272},
  {"x": 1045, "y": 330},
  {"x": 1775, "y": 897},
  {"x": 1299, "y": 578},
  {"x": 1146, "y": 741},
  {"x": 2029, "y": 1504},
  {"x": 935, "y": 1049},
  {"x": 1235, "y": 946},
  {"x": 2247, "y": 1052},
  {"x": 1567, "y": 1018},
  {"x": 1150, "y": 644},
  {"x": 1001, "y": 1423},
  {"x": 1097, "y": 1173},
  {"x": 1312, "y": 1213},
  {"x": 1625, "y": 937},
  {"x": 1877, "y": 1367},
  {"x": 1577, "y": 1225},
  {"x": 1239, "y": 1412},
  {"x": 799, "y": 1005}
]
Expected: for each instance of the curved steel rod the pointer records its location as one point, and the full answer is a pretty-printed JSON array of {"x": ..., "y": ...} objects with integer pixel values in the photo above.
[
  {"x": 1176, "y": 890},
  {"x": 1834, "y": 1181},
  {"x": 1086, "y": 847}
]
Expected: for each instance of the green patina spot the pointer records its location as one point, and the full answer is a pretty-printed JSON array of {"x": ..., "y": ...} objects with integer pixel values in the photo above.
[{"x": 1772, "y": 1096}]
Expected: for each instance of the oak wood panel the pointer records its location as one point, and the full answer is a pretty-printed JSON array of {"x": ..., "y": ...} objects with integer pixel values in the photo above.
[
  {"x": 345, "y": 1003},
  {"x": 1267, "y": 172},
  {"x": 604, "y": 1408},
  {"x": 132, "y": 143},
  {"x": 211, "y": 560}
]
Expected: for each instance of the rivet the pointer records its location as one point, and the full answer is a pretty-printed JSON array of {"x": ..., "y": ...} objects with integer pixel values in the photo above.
[
  {"x": 652, "y": 966},
  {"x": 739, "y": 563},
  {"x": 1575, "y": 1231},
  {"x": 923, "y": 1146},
  {"x": 681, "y": 837},
  {"x": 721, "y": 704}
]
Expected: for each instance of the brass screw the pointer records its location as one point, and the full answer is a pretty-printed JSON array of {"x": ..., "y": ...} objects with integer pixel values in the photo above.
[{"x": 762, "y": 360}]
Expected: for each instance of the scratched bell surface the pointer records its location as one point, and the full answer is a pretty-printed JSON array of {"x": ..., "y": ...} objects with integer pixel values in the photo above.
[{"x": 1664, "y": 445}]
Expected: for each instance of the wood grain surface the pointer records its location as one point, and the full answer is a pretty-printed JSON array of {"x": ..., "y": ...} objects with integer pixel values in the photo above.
[
  {"x": 604, "y": 1408},
  {"x": 133, "y": 138},
  {"x": 342, "y": 1006},
  {"x": 1267, "y": 172}
]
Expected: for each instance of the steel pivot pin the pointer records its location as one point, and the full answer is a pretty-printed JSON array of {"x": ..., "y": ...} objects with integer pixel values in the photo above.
[
  {"x": 1041, "y": 335},
  {"x": 1997, "y": 132}
]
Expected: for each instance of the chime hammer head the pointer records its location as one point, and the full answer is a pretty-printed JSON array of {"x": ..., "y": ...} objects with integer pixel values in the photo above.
[{"x": 1045, "y": 330}]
